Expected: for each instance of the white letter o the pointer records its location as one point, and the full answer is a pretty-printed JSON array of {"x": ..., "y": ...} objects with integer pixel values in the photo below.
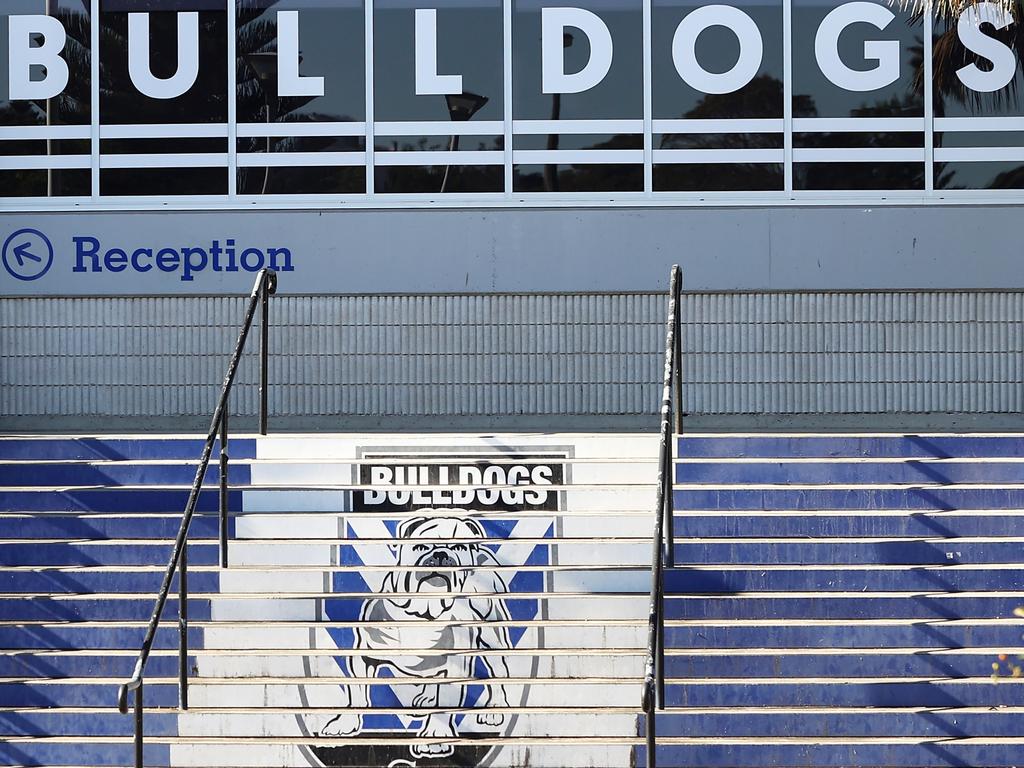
[{"x": 684, "y": 43}]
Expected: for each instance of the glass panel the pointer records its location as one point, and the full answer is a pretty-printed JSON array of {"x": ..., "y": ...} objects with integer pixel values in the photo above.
[
  {"x": 721, "y": 41},
  {"x": 331, "y": 58},
  {"x": 41, "y": 101},
  {"x": 872, "y": 68},
  {"x": 184, "y": 81},
  {"x": 469, "y": 47},
  {"x": 954, "y": 99},
  {"x": 717, "y": 50},
  {"x": 578, "y": 178},
  {"x": 198, "y": 99},
  {"x": 464, "y": 81},
  {"x": 618, "y": 95}
]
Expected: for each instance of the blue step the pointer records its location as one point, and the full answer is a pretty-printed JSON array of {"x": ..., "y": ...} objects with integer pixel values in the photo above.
[
  {"x": 43, "y": 693},
  {"x": 84, "y": 582},
  {"x": 58, "y": 526},
  {"x": 31, "y": 754},
  {"x": 77, "y": 723},
  {"x": 855, "y": 473},
  {"x": 852, "y": 446},
  {"x": 113, "y": 500},
  {"x": 67, "y": 637},
  {"x": 100, "y": 664},
  {"x": 844, "y": 635},
  {"x": 812, "y": 499},
  {"x": 938, "y": 754},
  {"x": 87, "y": 553},
  {"x": 905, "y": 525},
  {"x": 116, "y": 449},
  {"x": 96, "y": 609},
  {"x": 113, "y": 475},
  {"x": 826, "y": 552},
  {"x": 844, "y": 693},
  {"x": 746, "y": 723},
  {"x": 826, "y": 607},
  {"x": 683, "y": 580},
  {"x": 828, "y": 665}
]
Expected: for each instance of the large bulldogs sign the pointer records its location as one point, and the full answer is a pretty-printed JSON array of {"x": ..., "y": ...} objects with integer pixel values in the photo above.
[{"x": 428, "y": 585}]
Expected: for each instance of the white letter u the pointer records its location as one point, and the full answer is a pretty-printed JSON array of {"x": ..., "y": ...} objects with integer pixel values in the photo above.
[{"x": 188, "y": 57}]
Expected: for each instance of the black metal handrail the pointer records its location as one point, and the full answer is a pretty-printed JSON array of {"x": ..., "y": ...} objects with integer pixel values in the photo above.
[
  {"x": 264, "y": 287},
  {"x": 663, "y": 555}
]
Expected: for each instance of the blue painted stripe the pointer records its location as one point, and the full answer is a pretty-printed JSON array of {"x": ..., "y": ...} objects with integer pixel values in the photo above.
[
  {"x": 58, "y": 723},
  {"x": 85, "y": 582},
  {"x": 812, "y": 499},
  {"x": 844, "y": 693},
  {"x": 844, "y": 635},
  {"x": 824, "y": 607},
  {"x": 112, "y": 500},
  {"x": 851, "y": 473},
  {"x": 841, "y": 666},
  {"x": 87, "y": 553},
  {"x": 912, "y": 524},
  {"x": 799, "y": 579},
  {"x": 44, "y": 754},
  {"x": 940, "y": 754},
  {"x": 112, "y": 475},
  {"x": 58, "y": 526},
  {"x": 93, "y": 694},
  {"x": 67, "y": 637},
  {"x": 747, "y": 723},
  {"x": 116, "y": 449},
  {"x": 100, "y": 664},
  {"x": 826, "y": 552},
  {"x": 837, "y": 446},
  {"x": 47, "y": 609}
]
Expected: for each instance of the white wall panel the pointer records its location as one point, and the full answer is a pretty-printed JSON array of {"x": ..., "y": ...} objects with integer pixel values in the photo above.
[{"x": 535, "y": 354}]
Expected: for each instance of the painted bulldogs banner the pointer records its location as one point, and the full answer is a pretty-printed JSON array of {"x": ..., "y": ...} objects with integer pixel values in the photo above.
[{"x": 425, "y": 613}]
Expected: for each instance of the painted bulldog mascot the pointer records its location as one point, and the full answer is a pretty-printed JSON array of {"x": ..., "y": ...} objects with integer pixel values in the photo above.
[{"x": 439, "y": 585}]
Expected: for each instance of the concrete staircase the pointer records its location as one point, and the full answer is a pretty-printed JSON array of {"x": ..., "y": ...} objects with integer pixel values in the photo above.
[
  {"x": 840, "y": 600},
  {"x": 344, "y": 606}
]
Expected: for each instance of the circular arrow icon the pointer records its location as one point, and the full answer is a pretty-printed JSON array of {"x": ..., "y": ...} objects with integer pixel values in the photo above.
[{"x": 27, "y": 254}]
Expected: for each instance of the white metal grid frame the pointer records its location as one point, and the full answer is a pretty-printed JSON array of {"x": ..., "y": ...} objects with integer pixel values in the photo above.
[{"x": 508, "y": 128}]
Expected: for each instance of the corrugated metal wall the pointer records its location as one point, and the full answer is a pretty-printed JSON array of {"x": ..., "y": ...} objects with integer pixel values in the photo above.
[{"x": 531, "y": 354}]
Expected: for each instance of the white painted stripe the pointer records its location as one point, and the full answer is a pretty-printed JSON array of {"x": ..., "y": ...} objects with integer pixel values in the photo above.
[
  {"x": 979, "y": 154},
  {"x": 287, "y": 130},
  {"x": 165, "y": 131},
  {"x": 439, "y": 157},
  {"x": 40, "y": 132},
  {"x": 979, "y": 123},
  {"x": 439, "y": 128},
  {"x": 718, "y": 126},
  {"x": 36, "y": 162},
  {"x": 679, "y": 156}
]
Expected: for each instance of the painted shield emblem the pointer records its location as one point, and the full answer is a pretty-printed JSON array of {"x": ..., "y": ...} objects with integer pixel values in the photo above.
[{"x": 426, "y": 611}]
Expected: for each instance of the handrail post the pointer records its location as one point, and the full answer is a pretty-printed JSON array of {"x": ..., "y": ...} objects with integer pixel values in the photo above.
[
  {"x": 183, "y": 628},
  {"x": 677, "y": 356},
  {"x": 223, "y": 505},
  {"x": 138, "y": 727},
  {"x": 266, "y": 290},
  {"x": 652, "y": 731}
]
